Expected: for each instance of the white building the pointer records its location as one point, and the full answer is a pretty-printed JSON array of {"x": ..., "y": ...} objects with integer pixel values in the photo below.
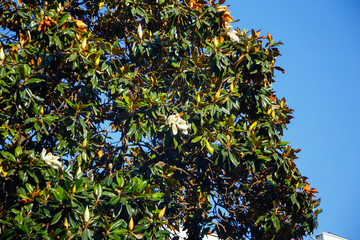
[
  {"x": 182, "y": 235},
  {"x": 329, "y": 236},
  {"x": 320, "y": 236}
]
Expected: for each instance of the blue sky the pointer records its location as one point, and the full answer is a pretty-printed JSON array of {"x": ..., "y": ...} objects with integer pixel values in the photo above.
[{"x": 321, "y": 57}]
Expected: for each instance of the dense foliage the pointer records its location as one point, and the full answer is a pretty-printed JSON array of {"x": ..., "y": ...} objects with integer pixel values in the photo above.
[{"x": 127, "y": 119}]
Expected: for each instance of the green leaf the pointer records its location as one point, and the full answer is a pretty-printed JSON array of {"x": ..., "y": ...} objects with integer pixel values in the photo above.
[
  {"x": 59, "y": 193},
  {"x": 276, "y": 222},
  {"x": 29, "y": 187},
  {"x": 27, "y": 70},
  {"x": 72, "y": 57},
  {"x": 119, "y": 231},
  {"x": 198, "y": 138},
  {"x": 8, "y": 156},
  {"x": 141, "y": 228},
  {"x": 85, "y": 235},
  {"x": 294, "y": 200},
  {"x": 56, "y": 218},
  {"x": 65, "y": 17},
  {"x": 49, "y": 119},
  {"x": 233, "y": 159},
  {"x": 283, "y": 143},
  {"x": 98, "y": 190},
  {"x": 131, "y": 130},
  {"x": 117, "y": 224},
  {"x": 18, "y": 151},
  {"x": 28, "y": 120},
  {"x": 34, "y": 80}
]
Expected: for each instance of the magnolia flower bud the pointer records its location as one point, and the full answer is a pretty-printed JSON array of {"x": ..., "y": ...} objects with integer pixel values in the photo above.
[
  {"x": 97, "y": 61},
  {"x": 131, "y": 224},
  {"x": 85, "y": 142},
  {"x": 84, "y": 44},
  {"x": 161, "y": 213},
  {"x": 231, "y": 87},
  {"x": 86, "y": 215},
  {"x": 66, "y": 223},
  {"x": 59, "y": 8},
  {"x": 140, "y": 32},
  {"x": 198, "y": 98},
  {"x": 2, "y": 54},
  {"x": 29, "y": 35},
  {"x": 74, "y": 189},
  {"x": 217, "y": 95},
  {"x": 78, "y": 173},
  {"x": 41, "y": 111},
  {"x": 101, "y": 5}
]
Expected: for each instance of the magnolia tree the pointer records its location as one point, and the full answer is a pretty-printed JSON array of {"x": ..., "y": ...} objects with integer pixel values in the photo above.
[{"x": 131, "y": 119}]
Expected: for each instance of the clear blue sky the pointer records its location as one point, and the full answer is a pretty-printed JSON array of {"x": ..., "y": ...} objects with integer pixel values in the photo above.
[{"x": 321, "y": 57}]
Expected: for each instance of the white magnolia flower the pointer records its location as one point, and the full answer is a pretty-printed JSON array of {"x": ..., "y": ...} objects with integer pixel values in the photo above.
[
  {"x": 50, "y": 159},
  {"x": 232, "y": 34},
  {"x": 176, "y": 122}
]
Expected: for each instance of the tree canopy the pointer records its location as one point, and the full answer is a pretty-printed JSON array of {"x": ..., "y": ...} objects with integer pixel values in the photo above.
[{"x": 130, "y": 119}]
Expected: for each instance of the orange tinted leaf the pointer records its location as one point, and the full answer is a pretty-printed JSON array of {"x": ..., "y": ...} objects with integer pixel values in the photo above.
[
  {"x": 280, "y": 69},
  {"x": 272, "y": 98}
]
